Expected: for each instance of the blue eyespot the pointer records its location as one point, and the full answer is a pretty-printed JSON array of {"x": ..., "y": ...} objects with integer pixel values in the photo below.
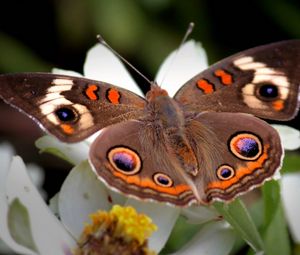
[
  {"x": 162, "y": 180},
  {"x": 225, "y": 172},
  {"x": 65, "y": 114},
  {"x": 246, "y": 146},
  {"x": 124, "y": 160},
  {"x": 268, "y": 91}
]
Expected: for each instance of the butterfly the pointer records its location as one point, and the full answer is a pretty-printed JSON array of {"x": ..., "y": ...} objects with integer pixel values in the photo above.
[{"x": 207, "y": 143}]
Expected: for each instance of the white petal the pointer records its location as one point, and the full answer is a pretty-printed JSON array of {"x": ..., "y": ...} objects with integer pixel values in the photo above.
[
  {"x": 290, "y": 190},
  {"x": 91, "y": 138},
  {"x": 81, "y": 194},
  {"x": 199, "y": 214},
  {"x": 117, "y": 197},
  {"x": 74, "y": 153},
  {"x": 48, "y": 232},
  {"x": 36, "y": 174},
  {"x": 162, "y": 215},
  {"x": 102, "y": 65},
  {"x": 290, "y": 137},
  {"x": 213, "y": 239},
  {"x": 181, "y": 65},
  {"x": 6, "y": 152},
  {"x": 53, "y": 205},
  {"x": 277, "y": 176},
  {"x": 66, "y": 72}
]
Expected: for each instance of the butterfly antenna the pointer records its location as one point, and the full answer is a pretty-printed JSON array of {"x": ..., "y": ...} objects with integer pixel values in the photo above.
[
  {"x": 186, "y": 35},
  {"x": 103, "y": 42}
]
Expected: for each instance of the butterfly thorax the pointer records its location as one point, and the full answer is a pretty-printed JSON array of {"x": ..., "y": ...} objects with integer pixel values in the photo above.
[{"x": 168, "y": 118}]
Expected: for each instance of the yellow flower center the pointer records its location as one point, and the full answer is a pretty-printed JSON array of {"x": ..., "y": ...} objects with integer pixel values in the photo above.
[{"x": 120, "y": 230}]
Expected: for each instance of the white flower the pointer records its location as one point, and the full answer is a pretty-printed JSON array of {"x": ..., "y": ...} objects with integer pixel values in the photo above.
[
  {"x": 290, "y": 137},
  {"x": 26, "y": 223}
]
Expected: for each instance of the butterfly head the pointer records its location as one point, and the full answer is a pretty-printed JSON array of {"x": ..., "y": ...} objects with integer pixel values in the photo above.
[{"x": 155, "y": 91}]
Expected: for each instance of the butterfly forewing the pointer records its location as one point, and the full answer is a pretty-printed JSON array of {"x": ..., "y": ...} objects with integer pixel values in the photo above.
[
  {"x": 71, "y": 108},
  {"x": 263, "y": 81}
]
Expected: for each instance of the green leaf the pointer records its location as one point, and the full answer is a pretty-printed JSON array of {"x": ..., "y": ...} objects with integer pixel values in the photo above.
[
  {"x": 291, "y": 163},
  {"x": 271, "y": 197},
  {"x": 239, "y": 218},
  {"x": 275, "y": 231},
  {"x": 276, "y": 236},
  {"x": 19, "y": 225},
  {"x": 296, "y": 250}
]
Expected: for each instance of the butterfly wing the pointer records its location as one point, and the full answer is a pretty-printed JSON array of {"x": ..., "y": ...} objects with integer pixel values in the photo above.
[
  {"x": 236, "y": 152},
  {"x": 70, "y": 108},
  {"x": 263, "y": 81},
  {"x": 132, "y": 158}
]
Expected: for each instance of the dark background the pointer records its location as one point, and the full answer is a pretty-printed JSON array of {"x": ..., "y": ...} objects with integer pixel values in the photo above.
[{"x": 39, "y": 35}]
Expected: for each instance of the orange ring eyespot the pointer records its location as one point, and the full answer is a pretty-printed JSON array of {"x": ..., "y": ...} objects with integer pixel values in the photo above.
[
  {"x": 225, "y": 172},
  {"x": 163, "y": 180},
  {"x": 246, "y": 146},
  {"x": 124, "y": 160}
]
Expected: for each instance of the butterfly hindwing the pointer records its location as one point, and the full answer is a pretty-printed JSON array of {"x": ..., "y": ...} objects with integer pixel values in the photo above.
[
  {"x": 129, "y": 158},
  {"x": 239, "y": 153},
  {"x": 71, "y": 108}
]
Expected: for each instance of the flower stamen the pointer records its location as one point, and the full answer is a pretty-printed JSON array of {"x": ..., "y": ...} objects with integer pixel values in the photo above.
[{"x": 120, "y": 231}]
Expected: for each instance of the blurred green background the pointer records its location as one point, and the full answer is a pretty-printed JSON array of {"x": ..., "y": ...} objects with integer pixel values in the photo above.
[{"x": 37, "y": 35}]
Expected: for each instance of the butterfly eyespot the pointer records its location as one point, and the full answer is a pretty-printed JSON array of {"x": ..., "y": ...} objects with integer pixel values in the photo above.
[
  {"x": 125, "y": 160},
  {"x": 225, "y": 172},
  {"x": 268, "y": 91},
  {"x": 163, "y": 180},
  {"x": 246, "y": 146},
  {"x": 66, "y": 114}
]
